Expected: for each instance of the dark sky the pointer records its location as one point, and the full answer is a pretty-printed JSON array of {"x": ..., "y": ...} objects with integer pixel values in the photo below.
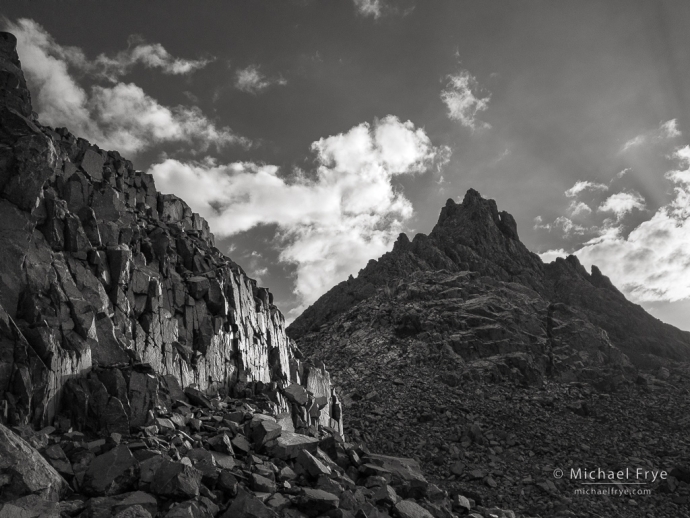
[{"x": 518, "y": 99}]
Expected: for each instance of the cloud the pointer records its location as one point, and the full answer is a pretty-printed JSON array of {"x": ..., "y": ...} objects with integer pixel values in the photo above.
[
  {"x": 120, "y": 116},
  {"x": 150, "y": 55},
  {"x": 579, "y": 208},
  {"x": 552, "y": 255},
  {"x": 621, "y": 203},
  {"x": 562, "y": 224},
  {"x": 585, "y": 185},
  {"x": 463, "y": 105},
  {"x": 131, "y": 120},
  {"x": 669, "y": 129},
  {"x": 634, "y": 142},
  {"x": 651, "y": 263},
  {"x": 331, "y": 221},
  {"x": 373, "y": 8},
  {"x": 666, "y": 131},
  {"x": 251, "y": 80}
]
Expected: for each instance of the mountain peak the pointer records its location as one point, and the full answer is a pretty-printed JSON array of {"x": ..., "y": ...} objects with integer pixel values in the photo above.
[{"x": 476, "y": 211}]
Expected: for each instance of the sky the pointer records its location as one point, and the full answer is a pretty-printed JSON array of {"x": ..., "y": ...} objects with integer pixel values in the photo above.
[{"x": 311, "y": 133}]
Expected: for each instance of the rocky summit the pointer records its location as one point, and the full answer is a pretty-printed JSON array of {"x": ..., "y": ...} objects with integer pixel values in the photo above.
[
  {"x": 144, "y": 374},
  {"x": 494, "y": 370}
]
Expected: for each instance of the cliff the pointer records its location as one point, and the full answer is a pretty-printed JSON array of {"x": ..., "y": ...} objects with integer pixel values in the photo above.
[{"x": 99, "y": 270}]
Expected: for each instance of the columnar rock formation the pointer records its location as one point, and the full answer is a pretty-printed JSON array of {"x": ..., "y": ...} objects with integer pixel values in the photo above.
[{"x": 99, "y": 270}]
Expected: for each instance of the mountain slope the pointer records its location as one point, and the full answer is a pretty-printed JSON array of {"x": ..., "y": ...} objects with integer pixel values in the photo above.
[
  {"x": 496, "y": 370},
  {"x": 475, "y": 236}
]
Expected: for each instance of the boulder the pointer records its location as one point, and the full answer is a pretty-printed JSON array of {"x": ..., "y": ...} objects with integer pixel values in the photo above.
[
  {"x": 311, "y": 464},
  {"x": 92, "y": 164},
  {"x": 112, "y": 473},
  {"x": 30, "y": 506},
  {"x": 176, "y": 480},
  {"x": 411, "y": 509},
  {"x": 289, "y": 444},
  {"x": 265, "y": 430},
  {"x": 26, "y": 472},
  {"x": 296, "y": 393},
  {"x": 246, "y": 505},
  {"x": 406, "y": 474},
  {"x": 315, "y": 502}
]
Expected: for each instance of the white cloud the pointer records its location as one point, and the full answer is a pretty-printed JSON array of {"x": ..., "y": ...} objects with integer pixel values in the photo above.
[
  {"x": 132, "y": 120},
  {"x": 151, "y": 55},
  {"x": 651, "y": 263},
  {"x": 622, "y": 202},
  {"x": 681, "y": 177},
  {"x": 372, "y": 8},
  {"x": 585, "y": 185},
  {"x": 251, "y": 80},
  {"x": 563, "y": 224},
  {"x": 330, "y": 222},
  {"x": 634, "y": 142},
  {"x": 462, "y": 103},
  {"x": 119, "y": 116},
  {"x": 552, "y": 255},
  {"x": 579, "y": 208},
  {"x": 669, "y": 129},
  {"x": 666, "y": 131}
]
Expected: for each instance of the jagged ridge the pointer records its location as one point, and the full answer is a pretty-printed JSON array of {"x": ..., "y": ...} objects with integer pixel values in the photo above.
[{"x": 475, "y": 236}]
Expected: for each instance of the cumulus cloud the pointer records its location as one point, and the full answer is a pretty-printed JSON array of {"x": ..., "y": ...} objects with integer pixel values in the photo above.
[
  {"x": 331, "y": 222},
  {"x": 118, "y": 116},
  {"x": 461, "y": 101},
  {"x": 585, "y": 185},
  {"x": 622, "y": 203},
  {"x": 251, "y": 80},
  {"x": 373, "y": 8},
  {"x": 651, "y": 263},
  {"x": 131, "y": 120},
  {"x": 579, "y": 208}
]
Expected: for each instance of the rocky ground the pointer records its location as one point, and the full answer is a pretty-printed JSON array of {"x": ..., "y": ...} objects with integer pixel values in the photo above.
[
  {"x": 213, "y": 457},
  {"x": 501, "y": 443}
]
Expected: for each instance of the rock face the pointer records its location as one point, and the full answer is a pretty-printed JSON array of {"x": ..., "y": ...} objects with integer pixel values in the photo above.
[
  {"x": 101, "y": 275},
  {"x": 474, "y": 251}
]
